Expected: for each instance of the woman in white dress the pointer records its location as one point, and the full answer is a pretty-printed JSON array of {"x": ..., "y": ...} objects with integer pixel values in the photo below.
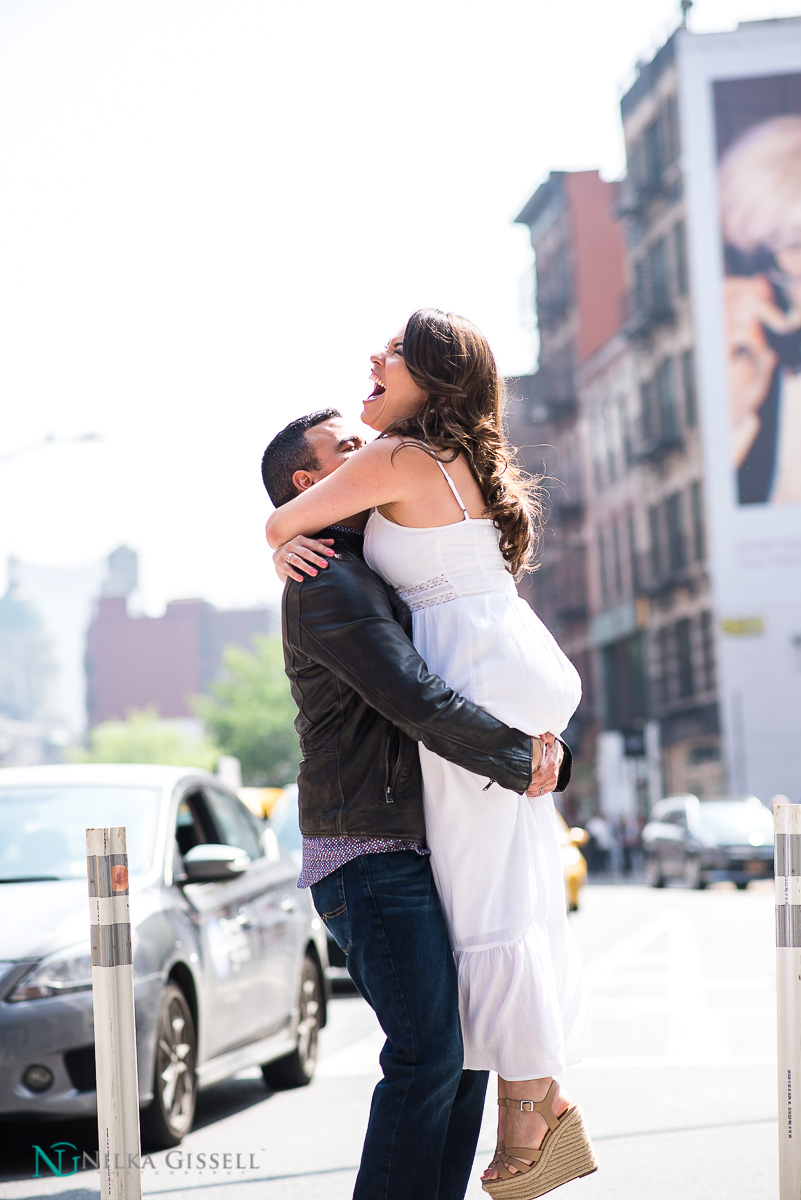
[{"x": 453, "y": 523}]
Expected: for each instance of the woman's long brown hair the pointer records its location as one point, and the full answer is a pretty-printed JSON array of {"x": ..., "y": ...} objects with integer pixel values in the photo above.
[{"x": 450, "y": 360}]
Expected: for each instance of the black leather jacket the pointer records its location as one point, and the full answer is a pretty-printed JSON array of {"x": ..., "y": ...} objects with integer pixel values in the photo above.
[{"x": 365, "y": 697}]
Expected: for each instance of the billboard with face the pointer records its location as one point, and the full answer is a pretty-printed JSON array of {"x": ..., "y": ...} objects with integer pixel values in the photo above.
[
  {"x": 740, "y": 110},
  {"x": 758, "y": 143}
]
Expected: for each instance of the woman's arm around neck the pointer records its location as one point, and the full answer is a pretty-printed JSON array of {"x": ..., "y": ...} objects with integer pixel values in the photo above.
[{"x": 369, "y": 478}]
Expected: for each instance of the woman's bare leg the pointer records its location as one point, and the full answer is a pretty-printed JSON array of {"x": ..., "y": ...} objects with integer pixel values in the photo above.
[{"x": 499, "y": 1142}]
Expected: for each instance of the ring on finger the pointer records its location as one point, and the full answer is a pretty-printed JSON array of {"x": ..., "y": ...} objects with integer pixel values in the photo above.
[{"x": 290, "y": 556}]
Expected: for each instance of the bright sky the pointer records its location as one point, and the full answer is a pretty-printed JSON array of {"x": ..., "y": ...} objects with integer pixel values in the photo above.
[{"x": 213, "y": 210}]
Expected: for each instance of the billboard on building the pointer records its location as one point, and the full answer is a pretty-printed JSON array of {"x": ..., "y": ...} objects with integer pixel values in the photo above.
[{"x": 740, "y": 107}]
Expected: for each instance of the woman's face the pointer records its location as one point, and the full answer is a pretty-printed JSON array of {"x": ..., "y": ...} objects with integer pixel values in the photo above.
[{"x": 395, "y": 394}]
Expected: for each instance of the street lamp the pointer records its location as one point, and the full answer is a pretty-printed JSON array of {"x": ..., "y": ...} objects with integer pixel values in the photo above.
[{"x": 49, "y": 439}]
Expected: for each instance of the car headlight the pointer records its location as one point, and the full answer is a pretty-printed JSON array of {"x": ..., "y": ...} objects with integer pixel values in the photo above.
[{"x": 62, "y": 973}]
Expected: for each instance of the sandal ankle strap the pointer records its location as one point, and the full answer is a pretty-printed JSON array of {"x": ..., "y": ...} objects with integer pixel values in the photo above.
[{"x": 544, "y": 1107}]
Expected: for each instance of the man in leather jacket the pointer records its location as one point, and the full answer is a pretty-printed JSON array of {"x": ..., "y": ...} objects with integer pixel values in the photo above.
[{"x": 365, "y": 698}]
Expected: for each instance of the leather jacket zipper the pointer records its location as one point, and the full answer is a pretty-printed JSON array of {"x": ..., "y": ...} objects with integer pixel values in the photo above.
[{"x": 390, "y": 772}]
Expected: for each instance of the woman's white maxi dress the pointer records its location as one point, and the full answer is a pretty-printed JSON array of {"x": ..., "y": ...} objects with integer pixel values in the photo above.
[{"x": 495, "y": 854}]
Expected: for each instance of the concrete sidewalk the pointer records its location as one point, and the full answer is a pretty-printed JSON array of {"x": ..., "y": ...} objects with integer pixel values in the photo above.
[{"x": 678, "y": 1088}]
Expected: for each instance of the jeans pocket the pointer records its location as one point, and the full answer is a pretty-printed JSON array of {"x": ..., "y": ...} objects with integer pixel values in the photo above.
[
  {"x": 332, "y": 908},
  {"x": 325, "y": 917},
  {"x": 338, "y": 926}
]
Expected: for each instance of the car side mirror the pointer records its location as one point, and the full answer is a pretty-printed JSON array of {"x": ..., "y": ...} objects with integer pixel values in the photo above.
[{"x": 214, "y": 863}]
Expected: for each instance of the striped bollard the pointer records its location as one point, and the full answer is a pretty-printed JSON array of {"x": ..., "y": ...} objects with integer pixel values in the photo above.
[
  {"x": 787, "y": 824},
  {"x": 113, "y": 1001}
]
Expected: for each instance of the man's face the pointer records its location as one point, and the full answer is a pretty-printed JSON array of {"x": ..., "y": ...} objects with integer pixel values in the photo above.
[{"x": 333, "y": 442}]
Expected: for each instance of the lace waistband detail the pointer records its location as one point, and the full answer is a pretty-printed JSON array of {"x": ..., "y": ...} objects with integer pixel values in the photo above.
[{"x": 432, "y": 591}]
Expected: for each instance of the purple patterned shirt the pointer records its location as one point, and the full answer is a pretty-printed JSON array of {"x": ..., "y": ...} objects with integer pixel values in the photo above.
[{"x": 323, "y": 855}]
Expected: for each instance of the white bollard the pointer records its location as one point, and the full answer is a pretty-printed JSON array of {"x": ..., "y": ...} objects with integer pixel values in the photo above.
[
  {"x": 113, "y": 1001},
  {"x": 787, "y": 825}
]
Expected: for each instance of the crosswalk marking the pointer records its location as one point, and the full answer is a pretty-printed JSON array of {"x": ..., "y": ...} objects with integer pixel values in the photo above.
[{"x": 658, "y": 969}]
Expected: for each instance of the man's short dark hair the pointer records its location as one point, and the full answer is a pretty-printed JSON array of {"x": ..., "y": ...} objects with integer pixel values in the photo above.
[{"x": 288, "y": 452}]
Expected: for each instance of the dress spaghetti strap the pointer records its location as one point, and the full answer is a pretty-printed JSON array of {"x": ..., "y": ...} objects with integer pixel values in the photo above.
[{"x": 452, "y": 486}]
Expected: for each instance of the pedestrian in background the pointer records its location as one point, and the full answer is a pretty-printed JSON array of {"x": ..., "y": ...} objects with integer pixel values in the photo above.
[{"x": 600, "y": 832}]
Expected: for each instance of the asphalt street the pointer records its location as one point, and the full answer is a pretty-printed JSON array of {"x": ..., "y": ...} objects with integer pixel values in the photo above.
[{"x": 678, "y": 1089}]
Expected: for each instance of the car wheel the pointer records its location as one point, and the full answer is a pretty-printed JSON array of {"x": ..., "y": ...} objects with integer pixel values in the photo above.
[
  {"x": 692, "y": 874},
  {"x": 653, "y": 874},
  {"x": 741, "y": 885},
  {"x": 169, "y": 1117},
  {"x": 297, "y": 1068}
]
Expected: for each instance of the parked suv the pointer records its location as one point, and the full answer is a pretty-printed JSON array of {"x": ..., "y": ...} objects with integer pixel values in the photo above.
[{"x": 706, "y": 841}]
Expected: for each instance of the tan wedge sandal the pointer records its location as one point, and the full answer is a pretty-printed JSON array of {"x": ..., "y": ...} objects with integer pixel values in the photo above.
[{"x": 566, "y": 1153}]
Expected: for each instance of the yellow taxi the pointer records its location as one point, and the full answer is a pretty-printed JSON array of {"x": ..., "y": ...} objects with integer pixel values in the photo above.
[
  {"x": 260, "y": 800},
  {"x": 573, "y": 862}
]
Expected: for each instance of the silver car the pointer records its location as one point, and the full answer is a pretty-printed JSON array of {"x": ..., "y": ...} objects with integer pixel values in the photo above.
[
  {"x": 229, "y": 958},
  {"x": 708, "y": 841}
]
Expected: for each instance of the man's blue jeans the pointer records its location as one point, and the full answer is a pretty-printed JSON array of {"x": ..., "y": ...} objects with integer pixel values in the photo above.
[{"x": 425, "y": 1117}]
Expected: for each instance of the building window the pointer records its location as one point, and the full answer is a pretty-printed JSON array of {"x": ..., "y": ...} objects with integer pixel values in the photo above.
[
  {"x": 656, "y": 547},
  {"x": 688, "y": 384},
  {"x": 597, "y": 448},
  {"x": 671, "y": 117},
  {"x": 666, "y": 399},
  {"x": 680, "y": 249},
  {"x": 649, "y": 423},
  {"x": 622, "y": 670},
  {"x": 602, "y": 571},
  {"x": 697, "y": 509},
  {"x": 612, "y": 440},
  {"x": 677, "y": 553},
  {"x": 625, "y": 433},
  {"x": 660, "y": 276},
  {"x": 653, "y": 155},
  {"x": 640, "y": 288},
  {"x": 708, "y": 651},
  {"x": 554, "y": 277},
  {"x": 684, "y": 660},
  {"x": 632, "y": 541},
  {"x": 637, "y": 167},
  {"x": 665, "y": 673},
  {"x": 617, "y": 560}
]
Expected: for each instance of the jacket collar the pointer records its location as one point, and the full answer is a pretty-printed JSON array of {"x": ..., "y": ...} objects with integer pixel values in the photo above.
[{"x": 352, "y": 539}]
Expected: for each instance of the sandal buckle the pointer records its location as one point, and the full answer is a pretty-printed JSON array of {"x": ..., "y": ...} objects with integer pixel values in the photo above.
[{"x": 526, "y": 1105}]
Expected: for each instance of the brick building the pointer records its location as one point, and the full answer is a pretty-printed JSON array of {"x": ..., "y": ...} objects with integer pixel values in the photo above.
[
  {"x": 671, "y": 570},
  {"x": 135, "y": 662},
  {"x": 580, "y": 280},
  {"x": 613, "y": 411}
]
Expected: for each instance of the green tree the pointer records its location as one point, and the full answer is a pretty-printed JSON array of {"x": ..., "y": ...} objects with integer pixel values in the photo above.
[
  {"x": 144, "y": 738},
  {"x": 250, "y": 713}
]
